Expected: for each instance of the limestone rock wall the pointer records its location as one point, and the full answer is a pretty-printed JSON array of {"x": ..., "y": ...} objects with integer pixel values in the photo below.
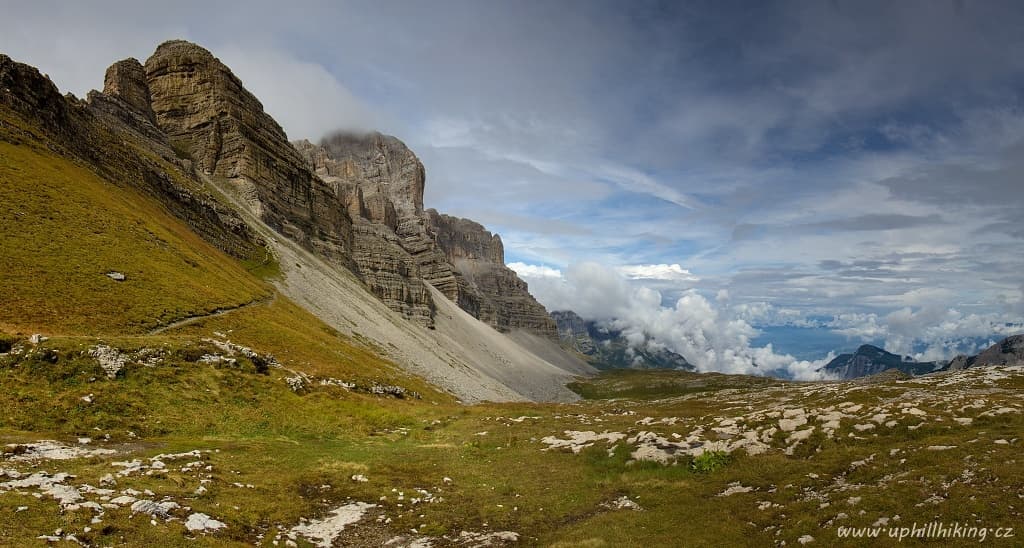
[
  {"x": 210, "y": 117},
  {"x": 501, "y": 298},
  {"x": 118, "y": 139},
  {"x": 213, "y": 120},
  {"x": 381, "y": 183},
  {"x": 354, "y": 199},
  {"x": 126, "y": 80}
]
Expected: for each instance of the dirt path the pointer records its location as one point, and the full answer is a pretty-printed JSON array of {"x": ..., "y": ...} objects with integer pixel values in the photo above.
[{"x": 215, "y": 313}]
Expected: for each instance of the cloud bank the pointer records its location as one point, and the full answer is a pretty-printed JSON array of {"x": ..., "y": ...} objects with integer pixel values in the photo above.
[{"x": 708, "y": 336}]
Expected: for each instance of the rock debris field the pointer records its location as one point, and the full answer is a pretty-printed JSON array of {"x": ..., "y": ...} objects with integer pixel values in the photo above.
[{"x": 879, "y": 422}]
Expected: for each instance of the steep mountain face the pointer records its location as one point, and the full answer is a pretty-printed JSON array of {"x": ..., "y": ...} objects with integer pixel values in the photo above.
[
  {"x": 126, "y": 80},
  {"x": 492, "y": 292},
  {"x": 113, "y": 133},
  {"x": 871, "y": 360},
  {"x": 380, "y": 182},
  {"x": 609, "y": 349},
  {"x": 1009, "y": 351},
  {"x": 354, "y": 247},
  {"x": 213, "y": 121},
  {"x": 87, "y": 194}
]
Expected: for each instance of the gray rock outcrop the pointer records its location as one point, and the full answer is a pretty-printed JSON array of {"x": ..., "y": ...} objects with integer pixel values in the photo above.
[
  {"x": 380, "y": 184},
  {"x": 126, "y": 80}
]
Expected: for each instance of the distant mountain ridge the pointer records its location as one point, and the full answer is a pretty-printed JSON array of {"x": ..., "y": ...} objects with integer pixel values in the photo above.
[
  {"x": 1005, "y": 352},
  {"x": 608, "y": 348},
  {"x": 870, "y": 360}
]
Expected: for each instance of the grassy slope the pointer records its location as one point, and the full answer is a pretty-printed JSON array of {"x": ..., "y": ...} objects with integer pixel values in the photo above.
[{"x": 62, "y": 229}]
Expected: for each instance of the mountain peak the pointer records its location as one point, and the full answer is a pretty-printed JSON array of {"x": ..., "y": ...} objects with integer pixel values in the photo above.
[
  {"x": 126, "y": 80},
  {"x": 180, "y": 46}
]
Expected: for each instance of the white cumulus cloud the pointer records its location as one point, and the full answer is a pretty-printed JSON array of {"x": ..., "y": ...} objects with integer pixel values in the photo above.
[
  {"x": 667, "y": 272},
  {"x": 942, "y": 332},
  {"x": 710, "y": 337},
  {"x": 535, "y": 270}
]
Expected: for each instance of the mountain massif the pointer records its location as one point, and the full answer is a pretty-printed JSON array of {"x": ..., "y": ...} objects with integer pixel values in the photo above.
[
  {"x": 870, "y": 360},
  {"x": 341, "y": 220},
  {"x": 1008, "y": 351}
]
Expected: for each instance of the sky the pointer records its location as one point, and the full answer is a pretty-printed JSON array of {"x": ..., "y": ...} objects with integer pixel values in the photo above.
[{"x": 711, "y": 167}]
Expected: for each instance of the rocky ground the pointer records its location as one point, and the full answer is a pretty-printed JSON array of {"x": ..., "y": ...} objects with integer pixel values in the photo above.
[{"x": 703, "y": 459}]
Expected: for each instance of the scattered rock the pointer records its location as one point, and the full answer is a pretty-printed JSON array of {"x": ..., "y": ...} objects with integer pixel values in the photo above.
[
  {"x": 51, "y": 450},
  {"x": 623, "y": 503},
  {"x": 202, "y": 523},
  {"x": 789, "y": 425},
  {"x": 578, "y": 440},
  {"x": 487, "y": 539},
  {"x": 323, "y": 532},
  {"x": 155, "y": 509},
  {"x": 110, "y": 359},
  {"x": 735, "y": 488}
]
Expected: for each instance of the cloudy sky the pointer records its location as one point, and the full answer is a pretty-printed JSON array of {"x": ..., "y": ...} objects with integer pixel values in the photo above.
[{"x": 855, "y": 166}]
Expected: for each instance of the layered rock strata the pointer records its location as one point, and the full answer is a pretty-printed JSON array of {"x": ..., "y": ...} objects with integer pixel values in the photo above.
[
  {"x": 212, "y": 119},
  {"x": 496, "y": 295},
  {"x": 354, "y": 200},
  {"x": 380, "y": 182},
  {"x": 113, "y": 133}
]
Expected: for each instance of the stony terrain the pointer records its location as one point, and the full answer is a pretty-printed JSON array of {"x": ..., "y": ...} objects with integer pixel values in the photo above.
[{"x": 710, "y": 459}]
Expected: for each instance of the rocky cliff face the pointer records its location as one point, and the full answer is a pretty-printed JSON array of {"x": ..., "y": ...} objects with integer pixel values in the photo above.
[
  {"x": 608, "y": 349},
  {"x": 211, "y": 118},
  {"x": 574, "y": 331},
  {"x": 492, "y": 292},
  {"x": 355, "y": 200},
  {"x": 126, "y": 80},
  {"x": 113, "y": 133},
  {"x": 380, "y": 182}
]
